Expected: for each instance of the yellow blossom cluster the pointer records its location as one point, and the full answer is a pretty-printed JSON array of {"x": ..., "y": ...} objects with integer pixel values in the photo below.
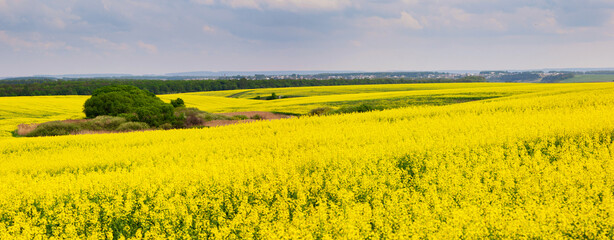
[{"x": 538, "y": 163}]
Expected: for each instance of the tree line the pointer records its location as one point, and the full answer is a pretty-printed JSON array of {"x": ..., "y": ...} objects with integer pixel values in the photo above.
[
  {"x": 41, "y": 87},
  {"x": 557, "y": 77}
]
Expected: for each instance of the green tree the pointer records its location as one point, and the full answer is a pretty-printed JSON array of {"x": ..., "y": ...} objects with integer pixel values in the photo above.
[
  {"x": 178, "y": 103},
  {"x": 125, "y": 100}
]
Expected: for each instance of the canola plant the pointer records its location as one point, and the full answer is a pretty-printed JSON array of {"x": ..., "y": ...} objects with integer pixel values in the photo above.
[{"x": 538, "y": 163}]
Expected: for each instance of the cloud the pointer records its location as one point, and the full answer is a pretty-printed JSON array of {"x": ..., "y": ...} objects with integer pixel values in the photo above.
[
  {"x": 406, "y": 20},
  {"x": 355, "y": 43},
  {"x": 287, "y": 5},
  {"x": 205, "y": 2},
  {"x": 150, "y": 48},
  {"x": 208, "y": 29},
  {"x": 281, "y": 29},
  {"x": 18, "y": 44},
  {"x": 106, "y": 44},
  {"x": 242, "y": 3}
]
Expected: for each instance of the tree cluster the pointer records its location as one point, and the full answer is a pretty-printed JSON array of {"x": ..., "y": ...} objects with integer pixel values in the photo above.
[
  {"x": 42, "y": 87},
  {"x": 557, "y": 77},
  {"x": 131, "y": 103}
]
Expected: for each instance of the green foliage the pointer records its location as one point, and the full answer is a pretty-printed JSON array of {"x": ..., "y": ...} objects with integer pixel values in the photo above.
[
  {"x": 272, "y": 97},
  {"x": 589, "y": 78},
  {"x": 207, "y": 116},
  {"x": 29, "y": 87},
  {"x": 257, "y": 117},
  {"x": 178, "y": 103},
  {"x": 363, "y": 107},
  {"x": 55, "y": 128},
  {"x": 195, "y": 117},
  {"x": 132, "y": 126},
  {"x": 239, "y": 117},
  {"x": 125, "y": 100},
  {"x": 557, "y": 78},
  {"x": 400, "y": 102},
  {"x": 130, "y": 117},
  {"x": 358, "y": 108},
  {"x": 108, "y": 123},
  {"x": 320, "y": 111}
]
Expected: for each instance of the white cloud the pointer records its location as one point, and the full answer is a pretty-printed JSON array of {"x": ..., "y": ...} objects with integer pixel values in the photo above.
[
  {"x": 150, "y": 48},
  {"x": 449, "y": 18},
  {"x": 288, "y": 5},
  {"x": 242, "y": 3},
  {"x": 57, "y": 23},
  {"x": 205, "y": 2},
  {"x": 409, "y": 21},
  {"x": 406, "y": 20},
  {"x": 356, "y": 43},
  {"x": 309, "y": 4},
  {"x": 208, "y": 29},
  {"x": 106, "y": 44},
  {"x": 18, "y": 44}
]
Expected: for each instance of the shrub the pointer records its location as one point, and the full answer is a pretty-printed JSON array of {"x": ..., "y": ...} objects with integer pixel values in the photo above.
[
  {"x": 189, "y": 116},
  {"x": 132, "y": 126},
  {"x": 239, "y": 117},
  {"x": 359, "y": 108},
  {"x": 212, "y": 116},
  {"x": 195, "y": 117},
  {"x": 178, "y": 103},
  {"x": 273, "y": 96},
  {"x": 130, "y": 117},
  {"x": 257, "y": 117},
  {"x": 54, "y": 129},
  {"x": 193, "y": 120},
  {"x": 320, "y": 111},
  {"x": 103, "y": 123},
  {"x": 166, "y": 126}
]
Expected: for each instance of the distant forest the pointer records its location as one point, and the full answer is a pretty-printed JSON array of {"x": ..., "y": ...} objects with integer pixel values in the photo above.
[{"x": 42, "y": 86}]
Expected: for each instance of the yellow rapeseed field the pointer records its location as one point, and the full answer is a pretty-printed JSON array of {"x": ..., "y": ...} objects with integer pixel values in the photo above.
[{"x": 537, "y": 162}]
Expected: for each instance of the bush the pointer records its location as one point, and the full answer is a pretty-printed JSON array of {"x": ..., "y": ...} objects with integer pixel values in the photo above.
[
  {"x": 195, "y": 117},
  {"x": 103, "y": 123},
  {"x": 212, "y": 116},
  {"x": 178, "y": 103},
  {"x": 166, "y": 126},
  {"x": 54, "y": 129},
  {"x": 359, "y": 108},
  {"x": 239, "y": 117},
  {"x": 123, "y": 100},
  {"x": 320, "y": 111},
  {"x": 189, "y": 115},
  {"x": 130, "y": 117},
  {"x": 132, "y": 126},
  {"x": 273, "y": 96},
  {"x": 257, "y": 117}
]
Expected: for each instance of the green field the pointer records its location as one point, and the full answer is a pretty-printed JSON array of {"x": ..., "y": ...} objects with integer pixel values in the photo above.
[{"x": 590, "y": 78}]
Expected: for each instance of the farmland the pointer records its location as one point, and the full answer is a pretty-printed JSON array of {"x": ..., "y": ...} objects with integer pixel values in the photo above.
[
  {"x": 590, "y": 78},
  {"x": 454, "y": 160}
]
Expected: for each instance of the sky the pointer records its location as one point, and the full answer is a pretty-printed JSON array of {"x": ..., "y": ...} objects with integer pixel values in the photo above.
[{"x": 163, "y": 36}]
